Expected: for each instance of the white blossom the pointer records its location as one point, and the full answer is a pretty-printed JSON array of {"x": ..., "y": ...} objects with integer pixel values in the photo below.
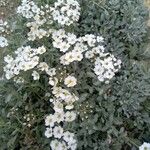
[
  {"x": 68, "y": 137},
  {"x": 41, "y": 50},
  {"x": 3, "y": 41},
  {"x": 58, "y": 132},
  {"x": 50, "y": 120},
  {"x": 43, "y": 66},
  {"x": 58, "y": 106},
  {"x": 59, "y": 116},
  {"x": 70, "y": 116},
  {"x": 66, "y": 12},
  {"x": 70, "y": 81},
  {"x": 28, "y": 9},
  {"x": 48, "y": 132},
  {"x": 57, "y": 145},
  {"x": 26, "y": 59}
]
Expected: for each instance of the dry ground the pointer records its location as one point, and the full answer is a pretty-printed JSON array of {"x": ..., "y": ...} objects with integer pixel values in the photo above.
[{"x": 7, "y": 7}]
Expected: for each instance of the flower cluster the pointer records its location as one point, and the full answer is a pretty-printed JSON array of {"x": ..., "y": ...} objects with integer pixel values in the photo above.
[
  {"x": 74, "y": 47},
  {"x": 66, "y": 12},
  {"x": 62, "y": 104},
  {"x": 106, "y": 68},
  {"x": 4, "y": 28},
  {"x": 28, "y": 9},
  {"x": 105, "y": 64},
  {"x": 35, "y": 30},
  {"x": 90, "y": 46},
  {"x": 43, "y": 18},
  {"x": 145, "y": 146},
  {"x": 66, "y": 41},
  {"x": 62, "y": 40},
  {"x": 28, "y": 120},
  {"x": 26, "y": 58}
]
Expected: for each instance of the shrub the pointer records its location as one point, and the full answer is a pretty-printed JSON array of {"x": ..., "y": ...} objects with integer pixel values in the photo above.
[{"x": 97, "y": 93}]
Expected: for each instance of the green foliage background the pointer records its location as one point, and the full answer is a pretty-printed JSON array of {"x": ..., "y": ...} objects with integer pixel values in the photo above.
[{"x": 111, "y": 117}]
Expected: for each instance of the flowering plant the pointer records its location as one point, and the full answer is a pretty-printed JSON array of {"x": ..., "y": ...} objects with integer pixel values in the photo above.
[{"x": 66, "y": 78}]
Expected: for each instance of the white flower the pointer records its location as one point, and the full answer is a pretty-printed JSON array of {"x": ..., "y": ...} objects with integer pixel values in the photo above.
[
  {"x": 70, "y": 99},
  {"x": 48, "y": 132},
  {"x": 28, "y": 9},
  {"x": 35, "y": 75},
  {"x": 80, "y": 47},
  {"x": 66, "y": 59},
  {"x": 71, "y": 38},
  {"x": 57, "y": 91},
  {"x": 70, "y": 81},
  {"x": 50, "y": 120},
  {"x": 73, "y": 146},
  {"x": 109, "y": 74},
  {"x": 145, "y": 146},
  {"x": 58, "y": 132},
  {"x": 90, "y": 39},
  {"x": 41, "y": 50},
  {"x": 78, "y": 56},
  {"x": 55, "y": 144},
  {"x": 68, "y": 137},
  {"x": 63, "y": 146},
  {"x": 100, "y": 39},
  {"x": 64, "y": 46},
  {"x": 3, "y": 41},
  {"x": 89, "y": 54},
  {"x": 99, "y": 70},
  {"x": 64, "y": 94},
  {"x": 69, "y": 57},
  {"x": 43, "y": 66},
  {"x": 58, "y": 106},
  {"x": 59, "y": 116},
  {"x": 70, "y": 116}
]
